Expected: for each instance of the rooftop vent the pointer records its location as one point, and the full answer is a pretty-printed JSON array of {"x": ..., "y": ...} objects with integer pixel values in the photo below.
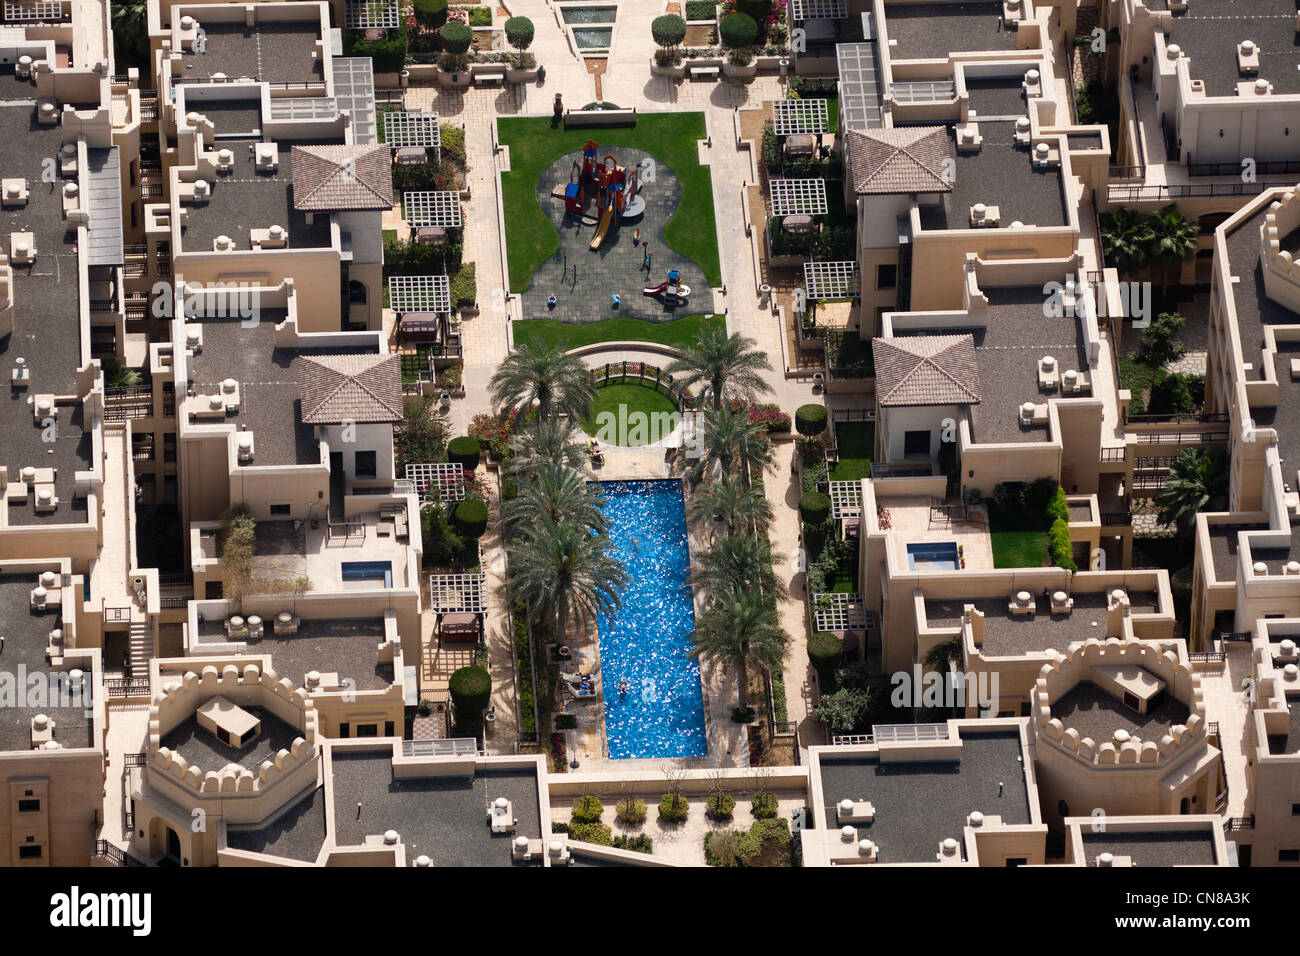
[
  {"x": 24, "y": 68},
  {"x": 1292, "y": 567},
  {"x": 1173, "y": 51},
  {"x": 1247, "y": 58},
  {"x": 223, "y": 244},
  {"x": 1263, "y": 87},
  {"x": 1260, "y": 568}
]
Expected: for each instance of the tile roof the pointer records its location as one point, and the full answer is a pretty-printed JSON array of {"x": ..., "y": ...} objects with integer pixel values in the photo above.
[
  {"x": 927, "y": 370},
  {"x": 350, "y": 388},
  {"x": 338, "y": 177},
  {"x": 907, "y": 159}
]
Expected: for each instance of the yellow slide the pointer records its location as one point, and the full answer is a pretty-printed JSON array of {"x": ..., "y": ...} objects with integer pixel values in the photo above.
[{"x": 605, "y": 219}]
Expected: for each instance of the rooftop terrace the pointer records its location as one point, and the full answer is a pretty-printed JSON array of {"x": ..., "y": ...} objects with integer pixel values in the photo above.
[
  {"x": 444, "y": 818},
  {"x": 270, "y": 52},
  {"x": 1209, "y": 31},
  {"x": 1289, "y": 744},
  {"x": 1096, "y": 713},
  {"x": 918, "y": 805},
  {"x": 26, "y": 636},
  {"x": 297, "y": 833},
  {"x": 1152, "y": 848},
  {"x": 343, "y": 647},
  {"x": 1008, "y": 635},
  {"x": 201, "y": 748},
  {"x": 933, "y": 30}
]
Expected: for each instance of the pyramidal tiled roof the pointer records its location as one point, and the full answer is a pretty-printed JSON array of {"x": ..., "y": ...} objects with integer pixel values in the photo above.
[
  {"x": 908, "y": 159},
  {"x": 927, "y": 370},
  {"x": 341, "y": 178},
  {"x": 350, "y": 388}
]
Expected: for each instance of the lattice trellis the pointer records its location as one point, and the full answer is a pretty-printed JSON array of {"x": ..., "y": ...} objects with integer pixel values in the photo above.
[
  {"x": 437, "y": 481},
  {"x": 411, "y": 129},
  {"x": 354, "y": 89},
  {"x": 33, "y": 11},
  {"x": 440, "y": 208},
  {"x": 371, "y": 15},
  {"x": 795, "y": 197},
  {"x": 846, "y": 499},
  {"x": 419, "y": 293},
  {"x": 819, "y": 9},
  {"x": 457, "y": 593},
  {"x": 799, "y": 116},
  {"x": 841, "y": 612},
  {"x": 831, "y": 280}
]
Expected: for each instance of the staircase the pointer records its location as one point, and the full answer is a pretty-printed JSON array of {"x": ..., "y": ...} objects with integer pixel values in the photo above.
[{"x": 141, "y": 648}]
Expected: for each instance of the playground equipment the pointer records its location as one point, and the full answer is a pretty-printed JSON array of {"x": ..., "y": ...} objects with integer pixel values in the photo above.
[
  {"x": 612, "y": 185},
  {"x": 671, "y": 288}
]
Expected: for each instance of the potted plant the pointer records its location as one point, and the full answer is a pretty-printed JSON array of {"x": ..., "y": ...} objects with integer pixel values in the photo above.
[
  {"x": 668, "y": 31},
  {"x": 523, "y": 65},
  {"x": 453, "y": 65},
  {"x": 739, "y": 33}
]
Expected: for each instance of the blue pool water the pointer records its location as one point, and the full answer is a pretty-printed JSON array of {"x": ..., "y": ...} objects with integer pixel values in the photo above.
[
  {"x": 940, "y": 556},
  {"x": 647, "y": 641},
  {"x": 587, "y": 14},
  {"x": 368, "y": 571}
]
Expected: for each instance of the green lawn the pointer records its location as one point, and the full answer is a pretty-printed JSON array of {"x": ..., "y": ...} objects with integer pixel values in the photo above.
[
  {"x": 535, "y": 144},
  {"x": 856, "y": 442},
  {"x": 1019, "y": 549},
  {"x": 637, "y": 399},
  {"x": 678, "y": 333}
]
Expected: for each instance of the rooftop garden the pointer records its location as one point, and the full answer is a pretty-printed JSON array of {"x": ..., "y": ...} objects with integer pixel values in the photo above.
[
  {"x": 855, "y": 443},
  {"x": 1029, "y": 525},
  {"x": 679, "y": 333}
]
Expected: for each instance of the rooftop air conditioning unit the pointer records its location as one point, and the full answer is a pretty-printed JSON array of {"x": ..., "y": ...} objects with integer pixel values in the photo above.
[
  {"x": 1247, "y": 58},
  {"x": 223, "y": 244},
  {"x": 202, "y": 190},
  {"x": 244, "y": 443}
]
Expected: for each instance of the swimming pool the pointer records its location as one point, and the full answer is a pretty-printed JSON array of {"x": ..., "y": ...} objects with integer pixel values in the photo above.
[
  {"x": 932, "y": 556},
  {"x": 646, "y": 643},
  {"x": 367, "y": 571}
]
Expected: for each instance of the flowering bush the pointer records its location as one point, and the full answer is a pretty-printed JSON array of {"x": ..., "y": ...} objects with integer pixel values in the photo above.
[
  {"x": 493, "y": 435},
  {"x": 766, "y": 414},
  {"x": 559, "y": 754},
  {"x": 475, "y": 487},
  {"x": 459, "y": 14}
]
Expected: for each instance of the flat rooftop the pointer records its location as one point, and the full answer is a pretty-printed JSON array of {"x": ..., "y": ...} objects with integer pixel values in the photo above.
[
  {"x": 1224, "y": 542},
  {"x": 1290, "y": 743},
  {"x": 248, "y": 198},
  {"x": 444, "y": 818},
  {"x": 270, "y": 52},
  {"x": 344, "y": 647},
  {"x": 1011, "y": 635},
  {"x": 47, "y": 326},
  {"x": 919, "y": 805},
  {"x": 1152, "y": 848},
  {"x": 1209, "y": 31},
  {"x": 1000, "y": 174},
  {"x": 201, "y": 747},
  {"x": 1253, "y": 306},
  {"x": 1096, "y": 713},
  {"x": 297, "y": 833},
  {"x": 27, "y": 634},
  {"x": 996, "y": 96},
  {"x": 268, "y": 381},
  {"x": 933, "y": 30}
]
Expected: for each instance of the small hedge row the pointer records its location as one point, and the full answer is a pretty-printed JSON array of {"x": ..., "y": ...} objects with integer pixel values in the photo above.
[
  {"x": 810, "y": 420},
  {"x": 814, "y": 507},
  {"x": 1059, "y": 543},
  {"x": 825, "y": 651},
  {"x": 464, "y": 451}
]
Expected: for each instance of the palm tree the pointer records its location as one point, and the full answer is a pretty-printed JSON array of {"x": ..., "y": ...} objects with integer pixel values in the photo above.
[
  {"x": 742, "y": 628},
  {"x": 945, "y": 656},
  {"x": 563, "y": 574},
  {"x": 556, "y": 381},
  {"x": 1198, "y": 481},
  {"x": 726, "y": 366},
  {"x": 117, "y": 375},
  {"x": 732, "y": 444},
  {"x": 130, "y": 34},
  {"x": 1126, "y": 240},
  {"x": 1173, "y": 241},
  {"x": 545, "y": 443},
  {"x": 736, "y": 507},
  {"x": 738, "y": 564},
  {"x": 558, "y": 494}
]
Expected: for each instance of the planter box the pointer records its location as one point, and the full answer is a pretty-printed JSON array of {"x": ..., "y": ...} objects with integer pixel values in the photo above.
[
  {"x": 768, "y": 64},
  {"x": 454, "y": 79},
  {"x": 676, "y": 72},
  {"x": 740, "y": 72},
  {"x": 520, "y": 76}
]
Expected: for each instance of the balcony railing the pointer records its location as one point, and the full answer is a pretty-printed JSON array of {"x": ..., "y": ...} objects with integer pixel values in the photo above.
[
  {"x": 1181, "y": 438},
  {"x": 1228, "y": 637},
  {"x": 1117, "y": 519},
  {"x": 127, "y": 687},
  {"x": 1283, "y": 167},
  {"x": 1187, "y": 418},
  {"x": 1112, "y": 454},
  {"x": 104, "y": 850},
  {"x": 1239, "y": 823}
]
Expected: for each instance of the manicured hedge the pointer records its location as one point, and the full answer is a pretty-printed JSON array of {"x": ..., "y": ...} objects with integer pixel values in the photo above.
[
  {"x": 1062, "y": 550},
  {"x": 464, "y": 451},
  {"x": 471, "y": 518},
  {"x": 825, "y": 651},
  {"x": 810, "y": 420},
  {"x": 456, "y": 37},
  {"x": 471, "y": 690},
  {"x": 520, "y": 32},
  {"x": 431, "y": 13},
  {"x": 814, "y": 507},
  {"x": 738, "y": 31},
  {"x": 668, "y": 30}
]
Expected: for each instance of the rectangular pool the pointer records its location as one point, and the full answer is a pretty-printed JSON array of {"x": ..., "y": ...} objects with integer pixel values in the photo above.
[
  {"x": 932, "y": 556},
  {"x": 368, "y": 572},
  {"x": 593, "y": 38},
  {"x": 585, "y": 14},
  {"x": 644, "y": 647}
]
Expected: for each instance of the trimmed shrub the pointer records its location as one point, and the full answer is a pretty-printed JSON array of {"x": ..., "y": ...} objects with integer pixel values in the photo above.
[
  {"x": 810, "y": 420},
  {"x": 1037, "y": 495},
  {"x": 387, "y": 53},
  {"x": 760, "y": 10},
  {"x": 598, "y": 833},
  {"x": 825, "y": 651},
  {"x": 564, "y": 721},
  {"x": 719, "y": 806},
  {"x": 456, "y": 37},
  {"x": 764, "y": 806},
  {"x": 1058, "y": 508},
  {"x": 739, "y": 31},
  {"x": 668, "y": 30},
  {"x": 814, "y": 507},
  {"x": 639, "y": 843},
  {"x": 431, "y": 14},
  {"x": 480, "y": 16},
  {"x": 520, "y": 32},
  {"x": 673, "y": 808},
  {"x": 587, "y": 809},
  {"x": 1059, "y": 541},
  {"x": 630, "y": 811},
  {"x": 471, "y": 518},
  {"x": 1171, "y": 396},
  {"x": 701, "y": 10},
  {"x": 464, "y": 451},
  {"x": 471, "y": 690}
]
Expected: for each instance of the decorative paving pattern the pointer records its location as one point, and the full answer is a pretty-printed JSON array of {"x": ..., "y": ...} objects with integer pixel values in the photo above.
[
  {"x": 618, "y": 266},
  {"x": 1192, "y": 363}
]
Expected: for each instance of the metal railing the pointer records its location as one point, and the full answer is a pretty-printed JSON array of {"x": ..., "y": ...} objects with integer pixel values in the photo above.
[
  {"x": 1181, "y": 438},
  {"x": 151, "y": 190},
  {"x": 1239, "y": 823},
  {"x": 445, "y": 747},
  {"x": 105, "y": 850},
  {"x": 1284, "y": 167},
  {"x": 1117, "y": 519},
  {"x": 126, "y": 687},
  {"x": 1233, "y": 636},
  {"x": 1208, "y": 657},
  {"x": 853, "y": 415},
  {"x": 117, "y": 615},
  {"x": 1127, "y": 172},
  {"x": 908, "y": 732},
  {"x": 1182, "y": 418},
  {"x": 1121, "y": 194},
  {"x": 1112, "y": 454}
]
